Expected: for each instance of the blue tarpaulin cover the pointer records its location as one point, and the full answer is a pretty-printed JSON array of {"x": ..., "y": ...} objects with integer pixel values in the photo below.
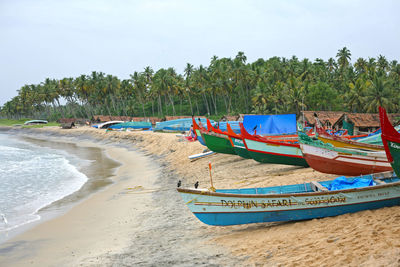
[
  {"x": 344, "y": 183},
  {"x": 270, "y": 124}
]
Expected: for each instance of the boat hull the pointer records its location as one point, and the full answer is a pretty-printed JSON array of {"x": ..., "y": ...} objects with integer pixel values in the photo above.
[
  {"x": 240, "y": 148},
  {"x": 222, "y": 209},
  {"x": 199, "y": 137},
  {"x": 275, "y": 153},
  {"x": 225, "y": 219},
  {"x": 350, "y": 144},
  {"x": 394, "y": 148},
  {"x": 333, "y": 162},
  {"x": 218, "y": 143}
]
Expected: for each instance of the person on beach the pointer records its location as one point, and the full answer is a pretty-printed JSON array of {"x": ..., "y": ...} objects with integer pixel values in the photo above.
[{"x": 192, "y": 136}]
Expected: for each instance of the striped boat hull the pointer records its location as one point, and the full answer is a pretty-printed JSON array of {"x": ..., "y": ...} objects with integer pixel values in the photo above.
[
  {"x": 333, "y": 162},
  {"x": 275, "y": 153},
  {"x": 216, "y": 208}
]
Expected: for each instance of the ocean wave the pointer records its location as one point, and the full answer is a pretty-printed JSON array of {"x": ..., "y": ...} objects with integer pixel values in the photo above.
[{"x": 33, "y": 179}]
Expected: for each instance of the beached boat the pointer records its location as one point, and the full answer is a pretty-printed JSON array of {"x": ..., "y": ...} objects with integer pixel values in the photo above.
[
  {"x": 293, "y": 202},
  {"x": 268, "y": 150},
  {"x": 216, "y": 140},
  {"x": 326, "y": 158},
  {"x": 391, "y": 140},
  {"x": 32, "y": 122},
  {"x": 237, "y": 143},
  {"x": 107, "y": 124},
  {"x": 196, "y": 129},
  {"x": 137, "y": 125},
  {"x": 339, "y": 141},
  {"x": 178, "y": 125}
]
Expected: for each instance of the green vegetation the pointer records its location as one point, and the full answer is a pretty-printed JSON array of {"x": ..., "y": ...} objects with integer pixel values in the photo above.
[
  {"x": 7, "y": 122},
  {"x": 10, "y": 122},
  {"x": 226, "y": 86}
]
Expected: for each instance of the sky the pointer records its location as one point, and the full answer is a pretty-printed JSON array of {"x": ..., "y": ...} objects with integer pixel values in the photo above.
[{"x": 56, "y": 39}]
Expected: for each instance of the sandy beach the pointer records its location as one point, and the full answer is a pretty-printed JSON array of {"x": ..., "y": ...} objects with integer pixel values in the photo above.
[{"x": 140, "y": 219}]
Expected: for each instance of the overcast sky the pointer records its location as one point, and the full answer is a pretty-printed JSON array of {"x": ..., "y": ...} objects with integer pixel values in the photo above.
[{"x": 57, "y": 39}]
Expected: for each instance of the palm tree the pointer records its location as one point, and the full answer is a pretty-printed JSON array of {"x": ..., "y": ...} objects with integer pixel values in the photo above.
[
  {"x": 188, "y": 88},
  {"x": 139, "y": 83},
  {"x": 380, "y": 95},
  {"x": 382, "y": 64},
  {"x": 360, "y": 66},
  {"x": 344, "y": 57},
  {"x": 356, "y": 98}
]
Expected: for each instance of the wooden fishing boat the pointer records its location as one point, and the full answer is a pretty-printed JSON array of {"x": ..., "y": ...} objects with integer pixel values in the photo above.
[
  {"x": 292, "y": 202},
  {"x": 216, "y": 140},
  {"x": 268, "y": 150},
  {"x": 107, "y": 124},
  {"x": 237, "y": 143},
  {"x": 33, "y": 122},
  {"x": 137, "y": 125},
  {"x": 196, "y": 129},
  {"x": 326, "y": 158},
  {"x": 390, "y": 140},
  {"x": 339, "y": 141}
]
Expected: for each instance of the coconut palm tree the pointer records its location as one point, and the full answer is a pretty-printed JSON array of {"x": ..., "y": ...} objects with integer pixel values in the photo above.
[{"x": 379, "y": 94}]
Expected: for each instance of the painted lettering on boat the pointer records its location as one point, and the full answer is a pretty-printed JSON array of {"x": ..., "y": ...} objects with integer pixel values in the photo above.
[
  {"x": 394, "y": 145},
  {"x": 324, "y": 200},
  {"x": 367, "y": 196},
  {"x": 314, "y": 201},
  {"x": 238, "y": 141},
  {"x": 257, "y": 204}
]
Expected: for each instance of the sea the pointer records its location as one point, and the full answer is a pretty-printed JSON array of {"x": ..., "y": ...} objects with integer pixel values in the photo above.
[{"x": 33, "y": 177}]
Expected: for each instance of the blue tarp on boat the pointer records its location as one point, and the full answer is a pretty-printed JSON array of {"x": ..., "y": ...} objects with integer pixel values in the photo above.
[
  {"x": 342, "y": 182},
  {"x": 270, "y": 124}
]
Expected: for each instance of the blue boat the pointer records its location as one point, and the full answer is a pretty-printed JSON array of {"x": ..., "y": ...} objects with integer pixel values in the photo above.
[
  {"x": 293, "y": 202},
  {"x": 179, "y": 125},
  {"x": 223, "y": 126},
  {"x": 142, "y": 125}
]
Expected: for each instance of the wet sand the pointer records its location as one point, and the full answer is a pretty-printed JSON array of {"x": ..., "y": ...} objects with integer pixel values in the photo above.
[
  {"x": 141, "y": 220},
  {"x": 99, "y": 170}
]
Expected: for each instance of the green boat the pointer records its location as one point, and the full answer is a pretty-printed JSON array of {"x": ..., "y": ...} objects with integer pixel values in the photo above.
[
  {"x": 238, "y": 145},
  {"x": 273, "y": 151},
  {"x": 391, "y": 141},
  {"x": 216, "y": 140}
]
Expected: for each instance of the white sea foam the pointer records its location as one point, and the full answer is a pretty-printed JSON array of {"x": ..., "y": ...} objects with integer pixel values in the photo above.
[{"x": 32, "y": 178}]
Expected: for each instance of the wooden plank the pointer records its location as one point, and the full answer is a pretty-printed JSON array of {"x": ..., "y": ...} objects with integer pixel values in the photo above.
[{"x": 317, "y": 186}]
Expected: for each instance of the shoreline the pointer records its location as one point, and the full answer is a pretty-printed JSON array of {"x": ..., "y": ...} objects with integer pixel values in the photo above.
[
  {"x": 100, "y": 229},
  {"x": 44, "y": 235},
  {"x": 159, "y": 229},
  {"x": 99, "y": 175}
]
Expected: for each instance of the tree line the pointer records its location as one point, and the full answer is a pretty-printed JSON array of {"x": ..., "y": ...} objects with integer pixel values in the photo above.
[{"x": 225, "y": 86}]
